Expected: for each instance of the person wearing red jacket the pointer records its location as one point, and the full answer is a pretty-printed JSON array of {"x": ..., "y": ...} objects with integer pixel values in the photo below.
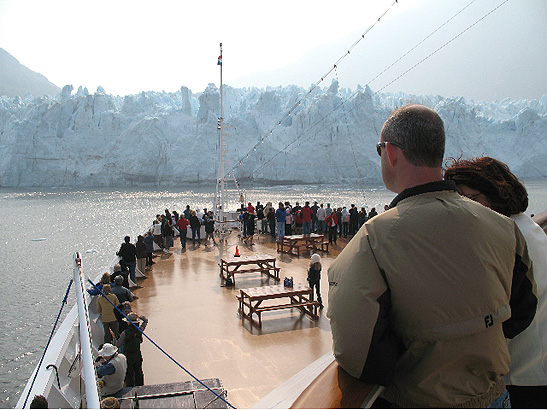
[
  {"x": 307, "y": 216},
  {"x": 298, "y": 222},
  {"x": 250, "y": 208},
  {"x": 182, "y": 226},
  {"x": 332, "y": 225}
]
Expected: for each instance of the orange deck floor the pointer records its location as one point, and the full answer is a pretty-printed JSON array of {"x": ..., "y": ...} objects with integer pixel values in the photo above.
[{"x": 195, "y": 320}]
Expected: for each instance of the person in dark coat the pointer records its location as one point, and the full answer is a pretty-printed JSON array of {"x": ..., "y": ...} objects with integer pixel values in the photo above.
[
  {"x": 271, "y": 221},
  {"x": 195, "y": 224},
  {"x": 123, "y": 271},
  {"x": 249, "y": 240},
  {"x": 128, "y": 253},
  {"x": 353, "y": 220},
  {"x": 130, "y": 344},
  {"x": 362, "y": 217},
  {"x": 209, "y": 222},
  {"x": 126, "y": 308},
  {"x": 149, "y": 242},
  {"x": 314, "y": 276},
  {"x": 167, "y": 233},
  {"x": 141, "y": 253}
]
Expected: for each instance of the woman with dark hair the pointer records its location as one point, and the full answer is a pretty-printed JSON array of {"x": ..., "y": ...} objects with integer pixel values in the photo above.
[{"x": 491, "y": 183}]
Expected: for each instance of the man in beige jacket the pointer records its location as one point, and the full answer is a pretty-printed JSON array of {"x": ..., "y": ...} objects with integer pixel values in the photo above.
[{"x": 422, "y": 298}]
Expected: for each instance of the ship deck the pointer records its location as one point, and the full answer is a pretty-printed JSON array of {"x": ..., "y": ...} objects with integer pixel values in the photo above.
[{"x": 195, "y": 319}]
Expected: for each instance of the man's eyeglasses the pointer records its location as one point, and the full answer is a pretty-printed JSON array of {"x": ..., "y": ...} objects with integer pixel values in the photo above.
[{"x": 383, "y": 144}]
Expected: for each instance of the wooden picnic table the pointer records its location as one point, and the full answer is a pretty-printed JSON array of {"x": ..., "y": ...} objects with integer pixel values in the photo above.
[
  {"x": 297, "y": 244},
  {"x": 299, "y": 296},
  {"x": 262, "y": 263}
]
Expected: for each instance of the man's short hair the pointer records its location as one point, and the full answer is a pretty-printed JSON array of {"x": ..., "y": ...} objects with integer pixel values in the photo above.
[{"x": 420, "y": 132}]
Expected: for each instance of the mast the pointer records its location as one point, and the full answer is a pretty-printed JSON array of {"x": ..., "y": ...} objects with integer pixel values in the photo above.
[
  {"x": 221, "y": 197},
  {"x": 220, "y": 194}
]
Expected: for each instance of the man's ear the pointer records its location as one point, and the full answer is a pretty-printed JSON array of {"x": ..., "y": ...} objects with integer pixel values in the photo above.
[{"x": 393, "y": 153}]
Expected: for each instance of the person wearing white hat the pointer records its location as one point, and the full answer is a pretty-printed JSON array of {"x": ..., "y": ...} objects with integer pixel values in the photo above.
[
  {"x": 314, "y": 276},
  {"x": 111, "y": 370}
]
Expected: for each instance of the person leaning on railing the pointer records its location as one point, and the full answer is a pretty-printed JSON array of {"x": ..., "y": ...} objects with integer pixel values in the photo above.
[{"x": 105, "y": 308}]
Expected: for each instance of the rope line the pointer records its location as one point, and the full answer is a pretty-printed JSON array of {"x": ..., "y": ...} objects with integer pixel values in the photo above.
[
  {"x": 163, "y": 351},
  {"x": 48, "y": 342},
  {"x": 421, "y": 42},
  {"x": 443, "y": 46}
]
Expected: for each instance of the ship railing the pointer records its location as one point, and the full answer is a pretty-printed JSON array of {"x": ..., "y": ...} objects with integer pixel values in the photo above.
[
  {"x": 89, "y": 374},
  {"x": 322, "y": 384}
]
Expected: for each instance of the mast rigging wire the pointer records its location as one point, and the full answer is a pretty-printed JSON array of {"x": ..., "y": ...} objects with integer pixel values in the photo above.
[
  {"x": 289, "y": 113},
  {"x": 386, "y": 85}
]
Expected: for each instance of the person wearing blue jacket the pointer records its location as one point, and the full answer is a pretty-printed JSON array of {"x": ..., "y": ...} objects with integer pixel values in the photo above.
[{"x": 280, "y": 217}]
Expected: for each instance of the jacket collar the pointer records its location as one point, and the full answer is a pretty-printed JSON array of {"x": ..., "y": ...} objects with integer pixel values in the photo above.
[{"x": 422, "y": 189}]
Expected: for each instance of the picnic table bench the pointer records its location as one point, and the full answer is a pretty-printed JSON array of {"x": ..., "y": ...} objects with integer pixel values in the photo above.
[
  {"x": 300, "y": 296},
  {"x": 243, "y": 264},
  {"x": 297, "y": 244}
]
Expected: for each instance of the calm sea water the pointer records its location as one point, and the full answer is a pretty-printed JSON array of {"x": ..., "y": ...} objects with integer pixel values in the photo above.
[{"x": 35, "y": 273}]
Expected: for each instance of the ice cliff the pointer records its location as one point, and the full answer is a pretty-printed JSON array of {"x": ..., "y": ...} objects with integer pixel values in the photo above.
[{"x": 78, "y": 139}]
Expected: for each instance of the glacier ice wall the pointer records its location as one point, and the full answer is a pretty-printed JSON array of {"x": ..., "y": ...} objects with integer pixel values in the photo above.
[{"x": 168, "y": 139}]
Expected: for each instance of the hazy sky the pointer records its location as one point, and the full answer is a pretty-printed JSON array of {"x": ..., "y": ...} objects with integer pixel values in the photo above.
[{"x": 128, "y": 46}]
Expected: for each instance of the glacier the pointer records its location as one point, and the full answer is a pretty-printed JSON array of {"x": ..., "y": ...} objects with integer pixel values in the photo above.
[{"x": 274, "y": 135}]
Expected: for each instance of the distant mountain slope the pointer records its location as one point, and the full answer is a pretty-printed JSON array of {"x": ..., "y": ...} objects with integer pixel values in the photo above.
[{"x": 16, "y": 79}]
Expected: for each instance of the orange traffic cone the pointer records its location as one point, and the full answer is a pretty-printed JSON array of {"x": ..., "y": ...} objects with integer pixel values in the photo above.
[{"x": 237, "y": 251}]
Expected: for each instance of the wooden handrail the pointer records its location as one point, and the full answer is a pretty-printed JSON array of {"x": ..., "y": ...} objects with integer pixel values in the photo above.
[{"x": 334, "y": 388}]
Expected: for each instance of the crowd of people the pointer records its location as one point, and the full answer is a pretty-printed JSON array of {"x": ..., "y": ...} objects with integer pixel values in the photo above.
[
  {"x": 172, "y": 224},
  {"x": 294, "y": 220},
  {"x": 119, "y": 363},
  {"x": 264, "y": 219}
]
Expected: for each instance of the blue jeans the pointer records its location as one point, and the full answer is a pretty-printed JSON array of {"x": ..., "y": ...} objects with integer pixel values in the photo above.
[
  {"x": 321, "y": 226},
  {"x": 502, "y": 402},
  {"x": 196, "y": 231},
  {"x": 280, "y": 230},
  {"x": 183, "y": 233},
  {"x": 306, "y": 227},
  {"x": 131, "y": 266}
]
